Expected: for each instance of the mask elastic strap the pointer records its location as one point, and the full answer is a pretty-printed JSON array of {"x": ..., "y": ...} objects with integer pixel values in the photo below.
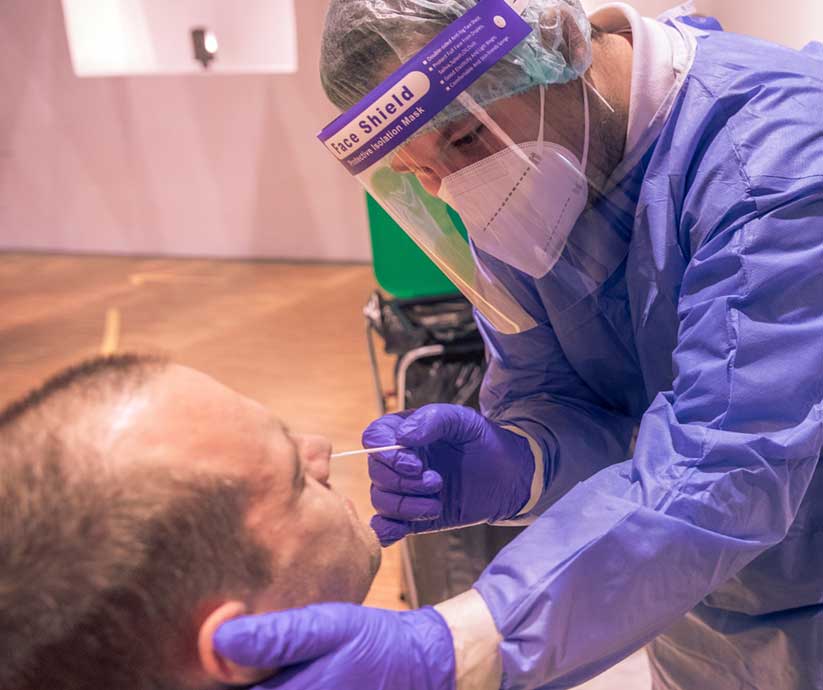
[
  {"x": 598, "y": 94},
  {"x": 541, "y": 131},
  {"x": 586, "y": 128}
]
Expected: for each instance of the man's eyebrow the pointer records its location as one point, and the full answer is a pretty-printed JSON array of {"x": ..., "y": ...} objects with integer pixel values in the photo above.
[
  {"x": 450, "y": 128},
  {"x": 297, "y": 475}
]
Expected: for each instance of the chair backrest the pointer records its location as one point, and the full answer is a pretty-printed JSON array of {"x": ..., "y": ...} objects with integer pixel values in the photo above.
[{"x": 400, "y": 267}]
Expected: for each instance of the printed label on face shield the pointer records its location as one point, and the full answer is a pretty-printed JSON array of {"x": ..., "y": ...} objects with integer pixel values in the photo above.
[{"x": 424, "y": 86}]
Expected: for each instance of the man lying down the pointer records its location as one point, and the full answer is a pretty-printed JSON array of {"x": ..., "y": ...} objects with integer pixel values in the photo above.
[{"x": 142, "y": 504}]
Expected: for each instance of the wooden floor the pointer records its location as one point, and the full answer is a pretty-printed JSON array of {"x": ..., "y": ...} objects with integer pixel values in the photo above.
[{"x": 290, "y": 336}]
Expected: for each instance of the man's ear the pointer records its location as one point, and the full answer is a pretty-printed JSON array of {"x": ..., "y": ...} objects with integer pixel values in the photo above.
[
  {"x": 215, "y": 666},
  {"x": 560, "y": 19}
]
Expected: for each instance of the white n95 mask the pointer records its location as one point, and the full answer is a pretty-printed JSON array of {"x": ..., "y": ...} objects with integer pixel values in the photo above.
[{"x": 521, "y": 204}]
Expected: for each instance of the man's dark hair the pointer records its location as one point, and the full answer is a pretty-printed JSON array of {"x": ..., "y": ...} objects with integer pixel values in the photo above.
[{"x": 102, "y": 566}]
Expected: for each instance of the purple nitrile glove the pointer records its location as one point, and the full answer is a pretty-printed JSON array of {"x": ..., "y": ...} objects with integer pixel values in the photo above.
[
  {"x": 460, "y": 469},
  {"x": 344, "y": 647}
]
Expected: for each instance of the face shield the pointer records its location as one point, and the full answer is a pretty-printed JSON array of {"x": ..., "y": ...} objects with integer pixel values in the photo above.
[{"x": 454, "y": 145}]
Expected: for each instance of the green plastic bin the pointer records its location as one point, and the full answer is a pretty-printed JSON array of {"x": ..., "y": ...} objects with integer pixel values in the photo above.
[{"x": 400, "y": 266}]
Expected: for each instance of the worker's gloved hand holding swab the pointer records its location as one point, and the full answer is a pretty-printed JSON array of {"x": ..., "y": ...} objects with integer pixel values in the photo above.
[{"x": 458, "y": 468}]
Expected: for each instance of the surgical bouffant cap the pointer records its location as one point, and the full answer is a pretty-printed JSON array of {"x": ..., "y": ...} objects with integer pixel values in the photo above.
[{"x": 366, "y": 40}]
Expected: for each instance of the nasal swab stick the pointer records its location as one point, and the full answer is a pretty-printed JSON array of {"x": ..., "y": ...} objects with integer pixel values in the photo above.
[{"x": 365, "y": 451}]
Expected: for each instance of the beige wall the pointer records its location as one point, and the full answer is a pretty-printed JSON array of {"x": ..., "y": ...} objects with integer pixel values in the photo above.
[
  {"x": 220, "y": 166},
  {"x": 790, "y": 22}
]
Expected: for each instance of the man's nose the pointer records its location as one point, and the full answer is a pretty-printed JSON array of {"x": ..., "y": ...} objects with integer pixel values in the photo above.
[
  {"x": 314, "y": 454},
  {"x": 428, "y": 176}
]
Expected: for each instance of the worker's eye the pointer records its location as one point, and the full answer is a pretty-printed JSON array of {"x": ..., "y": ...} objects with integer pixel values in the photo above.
[{"x": 470, "y": 138}]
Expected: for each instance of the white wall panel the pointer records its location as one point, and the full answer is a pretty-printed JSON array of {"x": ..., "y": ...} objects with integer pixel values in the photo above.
[{"x": 119, "y": 37}]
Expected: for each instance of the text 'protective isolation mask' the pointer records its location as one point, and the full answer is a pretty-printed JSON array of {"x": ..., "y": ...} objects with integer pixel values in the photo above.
[{"x": 521, "y": 204}]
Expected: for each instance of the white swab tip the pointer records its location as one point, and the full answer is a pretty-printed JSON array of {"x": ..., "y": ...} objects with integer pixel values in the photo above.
[{"x": 365, "y": 451}]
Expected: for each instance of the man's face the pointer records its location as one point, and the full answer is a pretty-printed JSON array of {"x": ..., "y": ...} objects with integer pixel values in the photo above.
[
  {"x": 189, "y": 422},
  {"x": 438, "y": 153}
]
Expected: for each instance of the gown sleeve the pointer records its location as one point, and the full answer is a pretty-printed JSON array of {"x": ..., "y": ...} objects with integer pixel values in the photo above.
[
  {"x": 721, "y": 464},
  {"x": 529, "y": 384}
]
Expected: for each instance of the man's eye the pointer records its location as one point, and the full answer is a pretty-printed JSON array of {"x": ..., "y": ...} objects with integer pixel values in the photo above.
[{"x": 469, "y": 139}]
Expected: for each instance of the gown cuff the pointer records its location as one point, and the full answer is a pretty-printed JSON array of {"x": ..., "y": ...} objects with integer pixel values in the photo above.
[
  {"x": 478, "y": 663},
  {"x": 538, "y": 480}
]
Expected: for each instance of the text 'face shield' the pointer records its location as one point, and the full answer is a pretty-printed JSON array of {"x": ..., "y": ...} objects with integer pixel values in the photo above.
[{"x": 469, "y": 178}]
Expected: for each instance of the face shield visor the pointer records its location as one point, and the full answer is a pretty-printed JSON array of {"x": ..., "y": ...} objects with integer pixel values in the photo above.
[{"x": 470, "y": 171}]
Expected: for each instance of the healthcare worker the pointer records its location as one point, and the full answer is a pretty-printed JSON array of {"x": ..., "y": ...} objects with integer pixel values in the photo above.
[{"x": 636, "y": 212}]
